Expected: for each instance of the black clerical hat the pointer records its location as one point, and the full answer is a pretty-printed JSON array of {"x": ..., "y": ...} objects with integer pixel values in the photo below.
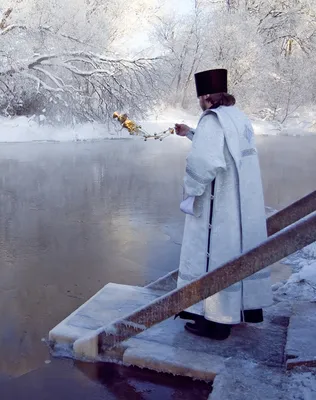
[{"x": 211, "y": 81}]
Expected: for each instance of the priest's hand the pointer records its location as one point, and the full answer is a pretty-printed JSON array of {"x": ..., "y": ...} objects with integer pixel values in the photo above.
[{"x": 182, "y": 129}]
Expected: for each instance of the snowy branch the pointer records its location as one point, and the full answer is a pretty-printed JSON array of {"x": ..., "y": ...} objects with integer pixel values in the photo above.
[
  {"x": 82, "y": 73},
  {"x": 64, "y": 35},
  {"x": 11, "y": 28},
  {"x": 90, "y": 56},
  {"x": 50, "y": 76},
  {"x": 41, "y": 83},
  {"x": 81, "y": 59}
]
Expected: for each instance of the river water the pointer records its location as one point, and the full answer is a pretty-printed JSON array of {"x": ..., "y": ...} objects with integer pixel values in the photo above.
[{"x": 76, "y": 216}]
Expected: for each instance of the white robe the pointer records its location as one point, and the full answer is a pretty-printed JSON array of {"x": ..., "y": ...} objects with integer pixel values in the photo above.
[{"x": 223, "y": 149}]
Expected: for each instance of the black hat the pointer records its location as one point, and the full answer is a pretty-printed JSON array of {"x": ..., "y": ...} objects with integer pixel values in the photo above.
[{"x": 211, "y": 81}]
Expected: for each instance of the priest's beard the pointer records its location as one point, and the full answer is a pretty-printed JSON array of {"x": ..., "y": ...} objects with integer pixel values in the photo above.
[{"x": 204, "y": 104}]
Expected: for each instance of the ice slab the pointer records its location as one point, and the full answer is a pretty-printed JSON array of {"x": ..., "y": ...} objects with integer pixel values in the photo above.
[
  {"x": 167, "y": 346},
  {"x": 172, "y": 359},
  {"x": 262, "y": 343},
  {"x": 113, "y": 301},
  {"x": 301, "y": 344},
  {"x": 247, "y": 380}
]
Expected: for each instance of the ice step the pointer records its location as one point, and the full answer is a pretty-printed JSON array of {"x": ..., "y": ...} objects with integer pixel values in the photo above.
[
  {"x": 113, "y": 301},
  {"x": 300, "y": 350}
]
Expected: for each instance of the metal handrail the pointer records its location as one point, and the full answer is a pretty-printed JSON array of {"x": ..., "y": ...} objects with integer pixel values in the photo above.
[
  {"x": 275, "y": 248},
  {"x": 280, "y": 220},
  {"x": 289, "y": 215}
]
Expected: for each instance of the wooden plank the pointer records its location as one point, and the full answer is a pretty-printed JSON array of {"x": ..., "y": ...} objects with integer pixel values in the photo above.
[{"x": 275, "y": 248}]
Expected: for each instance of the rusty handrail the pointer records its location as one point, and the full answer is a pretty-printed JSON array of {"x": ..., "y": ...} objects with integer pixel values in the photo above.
[
  {"x": 289, "y": 215},
  {"x": 276, "y": 222},
  {"x": 278, "y": 246}
]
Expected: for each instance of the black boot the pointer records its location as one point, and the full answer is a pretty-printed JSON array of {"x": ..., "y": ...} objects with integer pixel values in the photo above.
[
  {"x": 188, "y": 315},
  {"x": 209, "y": 329},
  {"x": 253, "y": 316}
]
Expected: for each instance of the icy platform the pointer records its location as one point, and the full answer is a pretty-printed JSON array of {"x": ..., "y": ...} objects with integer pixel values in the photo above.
[
  {"x": 301, "y": 343},
  {"x": 167, "y": 347},
  {"x": 110, "y": 303}
]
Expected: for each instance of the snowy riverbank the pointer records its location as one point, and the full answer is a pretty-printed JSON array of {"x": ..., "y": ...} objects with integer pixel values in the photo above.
[
  {"x": 24, "y": 129},
  {"x": 294, "y": 300},
  {"x": 301, "y": 286},
  {"x": 301, "y": 123}
]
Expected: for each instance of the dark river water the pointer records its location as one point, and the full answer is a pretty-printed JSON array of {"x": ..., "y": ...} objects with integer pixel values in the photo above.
[{"x": 74, "y": 217}]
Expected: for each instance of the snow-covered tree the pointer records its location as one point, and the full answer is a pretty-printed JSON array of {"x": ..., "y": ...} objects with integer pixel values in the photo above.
[
  {"x": 267, "y": 46},
  {"x": 63, "y": 60},
  {"x": 182, "y": 41},
  {"x": 80, "y": 60},
  {"x": 209, "y": 40}
]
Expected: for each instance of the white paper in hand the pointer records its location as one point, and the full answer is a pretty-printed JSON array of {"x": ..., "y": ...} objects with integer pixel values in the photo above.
[{"x": 187, "y": 205}]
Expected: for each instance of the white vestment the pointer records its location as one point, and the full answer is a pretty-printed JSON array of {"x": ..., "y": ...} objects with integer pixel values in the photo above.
[{"x": 224, "y": 155}]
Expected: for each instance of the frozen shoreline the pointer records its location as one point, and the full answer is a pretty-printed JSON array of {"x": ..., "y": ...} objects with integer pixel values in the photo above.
[{"x": 24, "y": 129}]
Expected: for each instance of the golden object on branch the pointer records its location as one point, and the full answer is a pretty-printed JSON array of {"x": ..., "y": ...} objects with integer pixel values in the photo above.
[
  {"x": 135, "y": 129},
  {"x": 130, "y": 125},
  {"x": 120, "y": 117}
]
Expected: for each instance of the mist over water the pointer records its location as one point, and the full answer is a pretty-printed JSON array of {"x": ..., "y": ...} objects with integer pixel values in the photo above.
[{"x": 74, "y": 217}]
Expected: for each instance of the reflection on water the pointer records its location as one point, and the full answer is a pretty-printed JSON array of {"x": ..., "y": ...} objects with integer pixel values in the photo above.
[
  {"x": 288, "y": 168},
  {"x": 65, "y": 380},
  {"x": 126, "y": 383},
  {"x": 76, "y": 216}
]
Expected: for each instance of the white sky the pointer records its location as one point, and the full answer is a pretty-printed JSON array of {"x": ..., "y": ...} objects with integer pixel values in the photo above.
[{"x": 181, "y": 5}]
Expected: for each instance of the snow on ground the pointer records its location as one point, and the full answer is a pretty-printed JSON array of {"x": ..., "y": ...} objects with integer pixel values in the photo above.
[
  {"x": 246, "y": 379},
  {"x": 24, "y": 129},
  {"x": 301, "y": 286},
  {"x": 302, "y": 257},
  {"x": 299, "y": 123},
  {"x": 302, "y": 385}
]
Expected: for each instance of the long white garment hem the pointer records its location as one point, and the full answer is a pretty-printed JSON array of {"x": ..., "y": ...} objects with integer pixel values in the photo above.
[{"x": 223, "y": 149}]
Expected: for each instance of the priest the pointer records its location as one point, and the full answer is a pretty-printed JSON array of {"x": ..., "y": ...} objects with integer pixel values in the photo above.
[{"x": 224, "y": 206}]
